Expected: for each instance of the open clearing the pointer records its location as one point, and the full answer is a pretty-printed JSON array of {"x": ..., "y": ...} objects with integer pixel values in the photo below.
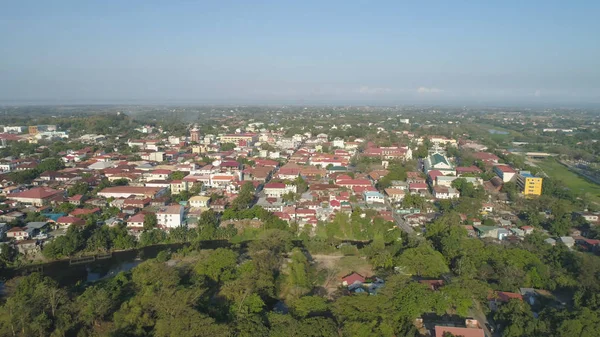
[
  {"x": 575, "y": 182},
  {"x": 334, "y": 267}
]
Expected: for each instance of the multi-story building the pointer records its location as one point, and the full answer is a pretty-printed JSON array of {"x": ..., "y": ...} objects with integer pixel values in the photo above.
[
  {"x": 178, "y": 186},
  {"x": 505, "y": 172},
  {"x": 170, "y": 216},
  {"x": 249, "y": 138},
  {"x": 126, "y": 191},
  {"x": 529, "y": 184},
  {"x": 195, "y": 135}
]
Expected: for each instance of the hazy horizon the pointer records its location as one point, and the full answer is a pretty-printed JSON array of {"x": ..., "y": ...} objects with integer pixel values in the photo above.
[{"x": 309, "y": 53}]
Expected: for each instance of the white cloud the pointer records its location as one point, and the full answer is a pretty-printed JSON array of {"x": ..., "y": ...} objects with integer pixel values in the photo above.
[
  {"x": 425, "y": 90},
  {"x": 371, "y": 91},
  {"x": 537, "y": 93}
]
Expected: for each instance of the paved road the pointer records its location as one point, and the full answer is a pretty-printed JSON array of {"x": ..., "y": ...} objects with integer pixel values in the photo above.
[
  {"x": 399, "y": 221},
  {"x": 477, "y": 313}
]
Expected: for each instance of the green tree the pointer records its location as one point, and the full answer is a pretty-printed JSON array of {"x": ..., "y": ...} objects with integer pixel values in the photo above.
[
  {"x": 299, "y": 269},
  {"x": 79, "y": 188},
  {"x": 245, "y": 197},
  {"x": 220, "y": 265},
  {"x": 227, "y": 146},
  {"x": 178, "y": 175},
  {"x": 150, "y": 221},
  {"x": 65, "y": 207},
  {"x": 50, "y": 164},
  {"x": 307, "y": 305},
  {"x": 152, "y": 237},
  {"x": 423, "y": 260}
]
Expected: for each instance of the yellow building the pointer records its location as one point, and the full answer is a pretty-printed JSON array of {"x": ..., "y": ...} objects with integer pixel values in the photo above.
[
  {"x": 33, "y": 130},
  {"x": 529, "y": 184}
]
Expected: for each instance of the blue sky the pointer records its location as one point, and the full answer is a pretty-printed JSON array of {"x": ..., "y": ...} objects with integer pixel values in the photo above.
[{"x": 299, "y": 51}]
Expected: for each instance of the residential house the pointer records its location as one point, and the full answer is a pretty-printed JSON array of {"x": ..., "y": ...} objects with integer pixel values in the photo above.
[
  {"x": 17, "y": 233},
  {"x": 160, "y": 174},
  {"x": 136, "y": 220},
  {"x": 527, "y": 229},
  {"x": 199, "y": 201},
  {"x": 76, "y": 199},
  {"x": 395, "y": 194},
  {"x": 271, "y": 204},
  {"x": 494, "y": 232},
  {"x": 590, "y": 217},
  {"x": 135, "y": 203},
  {"x": 353, "y": 278},
  {"x": 67, "y": 221},
  {"x": 442, "y": 192},
  {"x": 467, "y": 170},
  {"x": 350, "y": 183},
  {"x": 567, "y": 241},
  {"x": 418, "y": 188},
  {"x": 499, "y": 297},
  {"x": 218, "y": 205},
  {"x": 85, "y": 211},
  {"x": 26, "y": 247},
  {"x": 373, "y": 197},
  {"x": 486, "y": 157}
]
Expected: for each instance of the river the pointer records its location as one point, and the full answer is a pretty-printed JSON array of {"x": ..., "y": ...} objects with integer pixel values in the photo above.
[{"x": 67, "y": 274}]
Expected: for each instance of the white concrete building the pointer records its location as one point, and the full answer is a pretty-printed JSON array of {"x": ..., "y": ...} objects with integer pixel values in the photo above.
[
  {"x": 338, "y": 142},
  {"x": 170, "y": 216}
]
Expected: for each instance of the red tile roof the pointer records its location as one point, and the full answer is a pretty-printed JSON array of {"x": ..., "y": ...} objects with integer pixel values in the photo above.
[
  {"x": 84, "y": 211},
  {"x": 36, "y": 193},
  {"x": 464, "y": 332},
  {"x": 485, "y": 156},
  {"x": 275, "y": 185},
  {"x": 70, "y": 220},
  {"x": 354, "y": 277},
  {"x": 505, "y": 168},
  {"x": 419, "y": 186},
  {"x": 507, "y": 296}
]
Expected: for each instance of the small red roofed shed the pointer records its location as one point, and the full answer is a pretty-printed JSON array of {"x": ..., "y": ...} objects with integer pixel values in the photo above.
[{"x": 352, "y": 278}]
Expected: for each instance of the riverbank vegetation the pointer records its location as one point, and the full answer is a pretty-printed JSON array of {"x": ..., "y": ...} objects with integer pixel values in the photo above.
[{"x": 275, "y": 287}]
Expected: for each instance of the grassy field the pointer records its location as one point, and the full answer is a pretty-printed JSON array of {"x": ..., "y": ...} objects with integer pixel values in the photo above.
[{"x": 575, "y": 182}]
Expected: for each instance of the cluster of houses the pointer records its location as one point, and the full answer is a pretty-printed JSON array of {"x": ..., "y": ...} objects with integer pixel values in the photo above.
[{"x": 304, "y": 179}]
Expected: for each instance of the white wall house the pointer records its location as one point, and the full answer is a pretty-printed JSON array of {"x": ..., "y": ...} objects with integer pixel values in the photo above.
[
  {"x": 442, "y": 192},
  {"x": 373, "y": 197},
  {"x": 199, "y": 201},
  {"x": 277, "y": 190}
]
